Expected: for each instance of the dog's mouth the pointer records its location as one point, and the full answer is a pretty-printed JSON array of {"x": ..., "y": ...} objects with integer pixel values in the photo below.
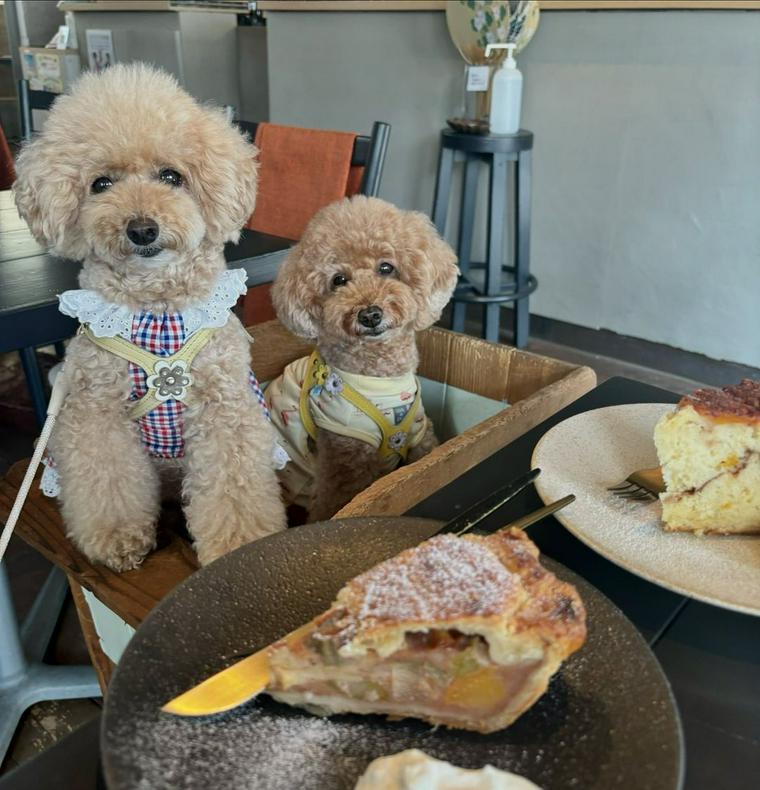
[
  {"x": 148, "y": 252},
  {"x": 375, "y": 331}
]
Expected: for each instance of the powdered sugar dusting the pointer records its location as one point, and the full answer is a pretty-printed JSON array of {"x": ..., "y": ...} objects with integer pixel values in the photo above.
[
  {"x": 591, "y": 451},
  {"x": 606, "y": 722},
  {"x": 445, "y": 577}
]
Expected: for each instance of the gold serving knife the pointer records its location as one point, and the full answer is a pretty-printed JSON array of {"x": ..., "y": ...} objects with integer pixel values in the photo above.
[{"x": 248, "y": 677}]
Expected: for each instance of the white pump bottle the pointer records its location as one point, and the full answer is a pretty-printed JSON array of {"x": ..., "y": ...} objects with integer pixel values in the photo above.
[{"x": 506, "y": 93}]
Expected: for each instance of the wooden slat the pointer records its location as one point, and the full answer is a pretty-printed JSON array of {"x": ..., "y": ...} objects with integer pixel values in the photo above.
[
  {"x": 273, "y": 348},
  {"x": 103, "y": 665},
  {"x": 465, "y": 362},
  {"x": 131, "y": 594},
  {"x": 529, "y": 373}
]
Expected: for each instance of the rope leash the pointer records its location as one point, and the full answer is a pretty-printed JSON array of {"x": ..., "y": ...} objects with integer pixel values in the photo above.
[{"x": 57, "y": 398}]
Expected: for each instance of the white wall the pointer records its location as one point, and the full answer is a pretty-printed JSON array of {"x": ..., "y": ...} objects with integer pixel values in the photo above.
[{"x": 647, "y": 154}]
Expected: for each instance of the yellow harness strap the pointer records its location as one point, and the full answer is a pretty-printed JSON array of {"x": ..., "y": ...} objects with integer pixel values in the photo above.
[
  {"x": 168, "y": 377},
  {"x": 394, "y": 437}
]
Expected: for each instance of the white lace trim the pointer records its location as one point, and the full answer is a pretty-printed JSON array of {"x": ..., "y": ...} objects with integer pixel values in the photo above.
[
  {"x": 107, "y": 319},
  {"x": 50, "y": 483}
]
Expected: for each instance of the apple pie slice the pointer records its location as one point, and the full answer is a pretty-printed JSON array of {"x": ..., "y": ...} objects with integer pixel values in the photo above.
[{"x": 464, "y": 632}]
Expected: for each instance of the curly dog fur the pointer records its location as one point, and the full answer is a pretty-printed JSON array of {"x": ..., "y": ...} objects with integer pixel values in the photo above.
[
  {"x": 128, "y": 124},
  {"x": 352, "y": 238}
]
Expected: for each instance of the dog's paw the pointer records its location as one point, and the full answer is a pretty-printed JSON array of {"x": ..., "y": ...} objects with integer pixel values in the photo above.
[{"x": 121, "y": 552}]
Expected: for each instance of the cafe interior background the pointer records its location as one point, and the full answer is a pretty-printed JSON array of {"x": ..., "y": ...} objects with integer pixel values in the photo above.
[{"x": 644, "y": 231}]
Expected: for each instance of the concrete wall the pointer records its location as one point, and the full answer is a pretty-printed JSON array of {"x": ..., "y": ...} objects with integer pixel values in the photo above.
[
  {"x": 647, "y": 162},
  {"x": 42, "y": 19},
  {"x": 153, "y": 37},
  {"x": 253, "y": 73}
]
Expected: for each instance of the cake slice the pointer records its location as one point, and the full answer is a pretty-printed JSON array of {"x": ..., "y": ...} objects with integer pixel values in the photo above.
[
  {"x": 709, "y": 451},
  {"x": 460, "y": 631}
]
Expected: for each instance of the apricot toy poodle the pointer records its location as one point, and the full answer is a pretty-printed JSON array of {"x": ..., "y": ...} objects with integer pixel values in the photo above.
[
  {"x": 363, "y": 279},
  {"x": 144, "y": 186}
]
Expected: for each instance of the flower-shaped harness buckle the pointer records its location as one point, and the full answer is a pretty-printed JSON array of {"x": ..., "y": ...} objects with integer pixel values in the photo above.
[
  {"x": 170, "y": 380},
  {"x": 167, "y": 377}
]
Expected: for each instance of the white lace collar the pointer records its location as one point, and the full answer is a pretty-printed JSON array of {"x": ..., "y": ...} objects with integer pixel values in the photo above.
[{"x": 107, "y": 319}]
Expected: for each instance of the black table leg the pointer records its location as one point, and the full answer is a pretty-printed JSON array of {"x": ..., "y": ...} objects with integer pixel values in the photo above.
[
  {"x": 497, "y": 212},
  {"x": 466, "y": 227},
  {"x": 522, "y": 246},
  {"x": 34, "y": 383},
  {"x": 443, "y": 188}
]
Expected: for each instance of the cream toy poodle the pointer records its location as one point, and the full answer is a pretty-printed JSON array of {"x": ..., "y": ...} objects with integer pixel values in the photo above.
[
  {"x": 142, "y": 184},
  {"x": 363, "y": 279}
]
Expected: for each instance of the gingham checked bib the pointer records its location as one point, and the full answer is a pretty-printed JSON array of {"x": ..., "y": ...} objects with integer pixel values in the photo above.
[{"x": 161, "y": 334}]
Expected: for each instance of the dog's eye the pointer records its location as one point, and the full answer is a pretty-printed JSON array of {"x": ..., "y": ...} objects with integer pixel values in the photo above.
[
  {"x": 171, "y": 177},
  {"x": 385, "y": 268},
  {"x": 101, "y": 184},
  {"x": 339, "y": 280}
]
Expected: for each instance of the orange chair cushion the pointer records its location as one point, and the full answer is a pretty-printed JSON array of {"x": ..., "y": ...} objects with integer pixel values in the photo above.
[
  {"x": 302, "y": 170},
  {"x": 7, "y": 171}
]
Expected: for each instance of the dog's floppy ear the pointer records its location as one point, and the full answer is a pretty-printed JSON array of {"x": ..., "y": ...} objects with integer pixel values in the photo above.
[
  {"x": 47, "y": 191},
  {"x": 224, "y": 174},
  {"x": 439, "y": 262},
  {"x": 291, "y": 296}
]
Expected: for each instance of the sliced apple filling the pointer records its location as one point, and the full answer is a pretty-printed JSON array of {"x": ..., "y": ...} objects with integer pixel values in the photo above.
[{"x": 442, "y": 670}]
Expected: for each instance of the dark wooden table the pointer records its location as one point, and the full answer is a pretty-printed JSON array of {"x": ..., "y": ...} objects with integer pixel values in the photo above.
[
  {"x": 31, "y": 279},
  {"x": 711, "y": 656}
]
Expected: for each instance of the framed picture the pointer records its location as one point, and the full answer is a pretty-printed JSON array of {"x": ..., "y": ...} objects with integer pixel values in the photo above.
[{"x": 100, "y": 54}]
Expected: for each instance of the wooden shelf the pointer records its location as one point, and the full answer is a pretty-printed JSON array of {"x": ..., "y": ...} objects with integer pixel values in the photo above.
[
  {"x": 546, "y": 5},
  {"x": 115, "y": 5}
]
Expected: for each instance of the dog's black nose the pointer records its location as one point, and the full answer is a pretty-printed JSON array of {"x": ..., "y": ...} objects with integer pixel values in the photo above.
[
  {"x": 370, "y": 316},
  {"x": 142, "y": 231}
]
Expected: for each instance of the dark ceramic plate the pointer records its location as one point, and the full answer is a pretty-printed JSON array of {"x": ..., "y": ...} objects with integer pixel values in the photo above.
[{"x": 607, "y": 721}]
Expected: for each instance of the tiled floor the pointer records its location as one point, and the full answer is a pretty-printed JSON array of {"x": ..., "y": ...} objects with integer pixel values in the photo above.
[{"x": 48, "y": 721}]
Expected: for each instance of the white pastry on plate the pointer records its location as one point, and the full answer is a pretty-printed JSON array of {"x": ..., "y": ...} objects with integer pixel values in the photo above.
[{"x": 415, "y": 770}]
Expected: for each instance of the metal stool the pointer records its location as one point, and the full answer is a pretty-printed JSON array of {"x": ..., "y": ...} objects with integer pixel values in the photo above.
[
  {"x": 489, "y": 288},
  {"x": 24, "y": 678}
]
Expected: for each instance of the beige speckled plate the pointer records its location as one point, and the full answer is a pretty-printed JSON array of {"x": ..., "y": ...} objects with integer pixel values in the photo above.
[{"x": 590, "y": 451}]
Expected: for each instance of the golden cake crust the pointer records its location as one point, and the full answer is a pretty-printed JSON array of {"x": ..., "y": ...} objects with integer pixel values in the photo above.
[
  {"x": 493, "y": 586},
  {"x": 739, "y": 402}
]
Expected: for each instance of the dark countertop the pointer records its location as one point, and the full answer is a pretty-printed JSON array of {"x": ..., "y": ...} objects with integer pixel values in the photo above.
[{"x": 710, "y": 655}]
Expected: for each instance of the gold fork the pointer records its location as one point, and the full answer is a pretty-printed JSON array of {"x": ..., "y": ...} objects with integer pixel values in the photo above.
[{"x": 644, "y": 484}]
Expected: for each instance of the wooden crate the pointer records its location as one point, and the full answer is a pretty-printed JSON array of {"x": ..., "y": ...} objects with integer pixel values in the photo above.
[
  {"x": 111, "y": 605},
  {"x": 533, "y": 388}
]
